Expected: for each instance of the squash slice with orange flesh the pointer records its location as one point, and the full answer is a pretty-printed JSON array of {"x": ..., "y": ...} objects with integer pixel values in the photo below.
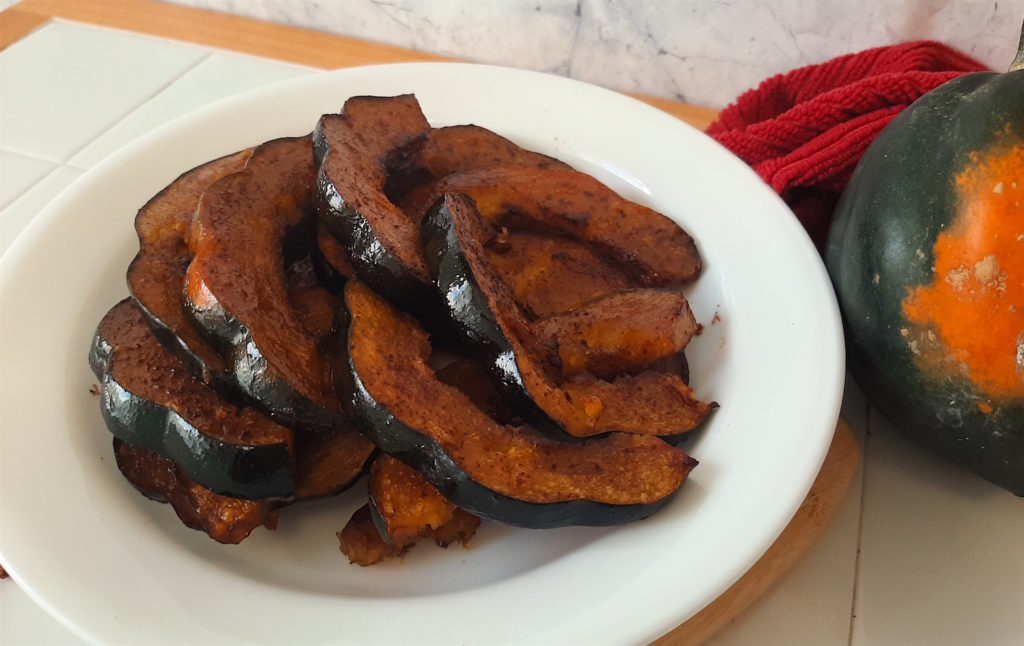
[
  {"x": 511, "y": 474},
  {"x": 237, "y": 285},
  {"x": 648, "y": 402}
]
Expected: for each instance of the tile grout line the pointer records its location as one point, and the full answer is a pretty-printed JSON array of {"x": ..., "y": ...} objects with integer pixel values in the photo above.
[
  {"x": 163, "y": 88},
  {"x": 860, "y": 522},
  {"x": 19, "y": 194}
]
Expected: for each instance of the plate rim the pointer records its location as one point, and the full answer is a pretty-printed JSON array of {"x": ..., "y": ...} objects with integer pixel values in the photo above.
[{"x": 39, "y": 227}]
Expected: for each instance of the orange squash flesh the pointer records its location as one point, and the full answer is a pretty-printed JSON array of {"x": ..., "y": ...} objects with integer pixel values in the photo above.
[
  {"x": 408, "y": 508},
  {"x": 388, "y": 352},
  {"x": 623, "y": 333},
  {"x": 239, "y": 289},
  {"x": 223, "y": 518},
  {"x": 654, "y": 249},
  {"x": 551, "y": 274},
  {"x": 360, "y": 541}
]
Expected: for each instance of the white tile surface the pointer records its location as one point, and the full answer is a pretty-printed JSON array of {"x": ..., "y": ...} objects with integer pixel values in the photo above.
[
  {"x": 67, "y": 83},
  {"x": 942, "y": 551},
  {"x": 16, "y": 216},
  {"x": 17, "y": 173},
  {"x": 216, "y": 77}
]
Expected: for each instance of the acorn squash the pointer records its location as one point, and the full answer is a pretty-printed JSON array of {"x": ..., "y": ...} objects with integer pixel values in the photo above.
[
  {"x": 926, "y": 253},
  {"x": 405, "y": 507},
  {"x": 650, "y": 247}
]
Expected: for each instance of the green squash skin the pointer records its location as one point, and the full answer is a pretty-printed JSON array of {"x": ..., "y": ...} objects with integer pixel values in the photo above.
[
  {"x": 251, "y": 375},
  {"x": 420, "y": 452},
  {"x": 899, "y": 199},
  {"x": 256, "y": 472}
]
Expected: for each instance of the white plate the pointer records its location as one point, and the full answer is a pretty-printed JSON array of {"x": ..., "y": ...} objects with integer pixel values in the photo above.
[{"x": 115, "y": 567}]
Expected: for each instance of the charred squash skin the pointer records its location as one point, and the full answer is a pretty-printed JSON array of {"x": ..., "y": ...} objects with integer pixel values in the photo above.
[
  {"x": 604, "y": 481},
  {"x": 236, "y": 290},
  {"x": 259, "y": 467},
  {"x": 324, "y": 468},
  {"x": 659, "y": 403},
  {"x": 157, "y": 273},
  {"x": 925, "y": 255}
]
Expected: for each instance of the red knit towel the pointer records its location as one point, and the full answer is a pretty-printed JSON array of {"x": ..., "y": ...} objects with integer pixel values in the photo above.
[{"x": 804, "y": 131}]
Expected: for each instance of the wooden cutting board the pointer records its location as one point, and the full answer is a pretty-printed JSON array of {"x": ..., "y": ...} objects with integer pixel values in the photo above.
[{"x": 326, "y": 51}]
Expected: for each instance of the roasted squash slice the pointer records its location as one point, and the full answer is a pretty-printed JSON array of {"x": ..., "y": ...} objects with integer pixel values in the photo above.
[
  {"x": 149, "y": 399},
  {"x": 354, "y": 150},
  {"x": 156, "y": 275},
  {"x": 412, "y": 180},
  {"x": 484, "y": 310},
  {"x": 456, "y": 149},
  {"x": 223, "y": 518},
  {"x": 653, "y": 249},
  {"x": 511, "y": 474},
  {"x": 360, "y": 540},
  {"x": 236, "y": 287}
]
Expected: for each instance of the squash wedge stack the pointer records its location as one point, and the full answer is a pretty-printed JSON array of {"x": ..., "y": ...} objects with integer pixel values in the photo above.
[{"x": 293, "y": 306}]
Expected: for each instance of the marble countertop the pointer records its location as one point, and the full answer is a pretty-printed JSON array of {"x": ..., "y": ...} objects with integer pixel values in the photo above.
[
  {"x": 705, "y": 53},
  {"x": 920, "y": 552}
]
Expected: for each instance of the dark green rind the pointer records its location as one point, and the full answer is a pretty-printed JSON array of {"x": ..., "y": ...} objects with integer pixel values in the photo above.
[
  {"x": 897, "y": 202},
  {"x": 473, "y": 318},
  {"x": 275, "y": 397},
  {"x": 220, "y": 380},
  {"x": 255, "y": 472},
  {"x": 421, "y": 453}
]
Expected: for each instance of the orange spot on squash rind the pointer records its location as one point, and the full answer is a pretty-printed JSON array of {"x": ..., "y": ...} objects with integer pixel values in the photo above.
[{"x": 974, "y": 307}]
